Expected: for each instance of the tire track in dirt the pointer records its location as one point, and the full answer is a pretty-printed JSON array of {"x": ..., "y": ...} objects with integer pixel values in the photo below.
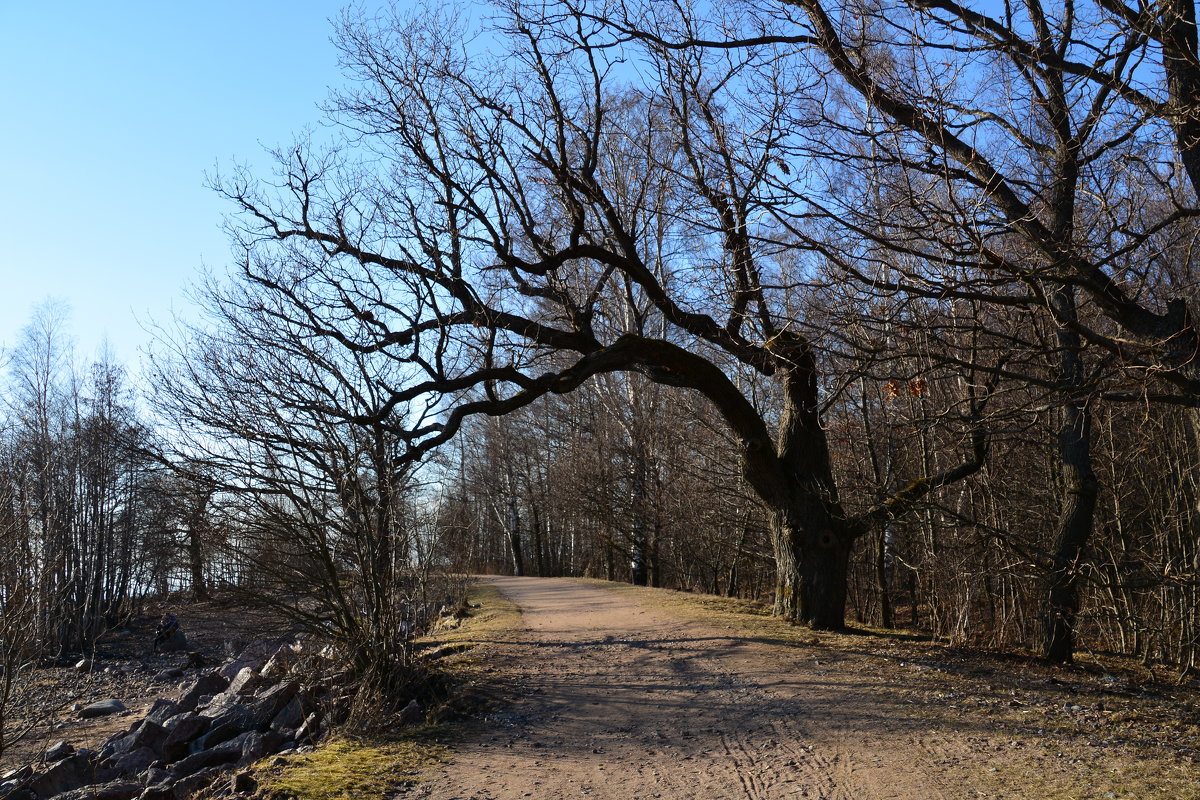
[{"x": 614, "y": 700}]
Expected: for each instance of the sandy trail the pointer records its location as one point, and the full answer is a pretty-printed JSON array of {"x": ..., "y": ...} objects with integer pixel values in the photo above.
[{"x": 621, "y": 701}]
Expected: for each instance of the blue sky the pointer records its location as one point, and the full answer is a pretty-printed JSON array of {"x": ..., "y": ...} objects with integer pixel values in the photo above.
[{"x": 113, "y": 113}]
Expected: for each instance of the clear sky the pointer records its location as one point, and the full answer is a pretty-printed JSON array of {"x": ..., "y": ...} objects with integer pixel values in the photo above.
[{"x": 112, "y": 115}]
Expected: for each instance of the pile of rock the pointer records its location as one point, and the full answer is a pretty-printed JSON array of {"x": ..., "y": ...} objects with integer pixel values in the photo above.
[{"x": 226, "y": 718}]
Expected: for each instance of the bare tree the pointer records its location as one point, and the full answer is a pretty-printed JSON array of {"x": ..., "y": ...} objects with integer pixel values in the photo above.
[
  {"x": 280, "y": 439},
  {"x": 514, "y": 196}
]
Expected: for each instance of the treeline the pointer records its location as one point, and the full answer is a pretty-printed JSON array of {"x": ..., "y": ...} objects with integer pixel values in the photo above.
[
  {"x": 84, "y": 530},
  {"x": 94, "y": 518},
  {"x": 116, "y": 502},
  {"x": 568, "y": 487}
]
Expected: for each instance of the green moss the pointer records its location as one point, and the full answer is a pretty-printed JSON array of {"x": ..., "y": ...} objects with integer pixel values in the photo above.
[{"x": 354, "y": 769}]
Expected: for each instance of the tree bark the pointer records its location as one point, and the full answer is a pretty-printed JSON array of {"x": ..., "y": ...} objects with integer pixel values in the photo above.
[
  {"x": 811, "y": 569},
  {"x": 1071, "y": 538},
  {"x": 514, "y": 536},
  {"x": 811, "y": 535},
  {"x": 1080, "y": 491}
]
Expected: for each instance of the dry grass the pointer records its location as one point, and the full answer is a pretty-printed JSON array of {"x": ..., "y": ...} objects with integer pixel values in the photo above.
[{"x": 353, "y": 769}]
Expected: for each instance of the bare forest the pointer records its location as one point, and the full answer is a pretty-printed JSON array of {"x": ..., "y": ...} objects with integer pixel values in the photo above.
[{"x": 880, "y": 313}]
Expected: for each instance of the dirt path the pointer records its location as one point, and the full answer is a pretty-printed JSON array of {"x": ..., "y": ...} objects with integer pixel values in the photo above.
[{"x": 623, "y": 701}]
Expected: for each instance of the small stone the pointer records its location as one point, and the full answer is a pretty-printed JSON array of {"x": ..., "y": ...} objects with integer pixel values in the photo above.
[
  {"x": 412, "y": 713},
  {"x": 244, "y": 783}
]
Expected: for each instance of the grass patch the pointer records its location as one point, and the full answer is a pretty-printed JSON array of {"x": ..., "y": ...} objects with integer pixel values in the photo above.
[
  {"x": 748, "y": 617},
  {"x": 354, "y": 769}
]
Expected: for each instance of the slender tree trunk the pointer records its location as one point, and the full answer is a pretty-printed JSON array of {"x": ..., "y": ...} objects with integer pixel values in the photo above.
[
  {"x": 881, "y": 579},
  {"x": 514, "y": 537},
  {"x": 639, "y": 569},
  {"x": 195, "y": 544},
  {"x": 535, "y": 535},
  {"x": 1080, "y": 490}
]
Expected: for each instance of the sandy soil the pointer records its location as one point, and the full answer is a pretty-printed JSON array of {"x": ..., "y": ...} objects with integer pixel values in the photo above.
[{"x": 624, "y": 701}]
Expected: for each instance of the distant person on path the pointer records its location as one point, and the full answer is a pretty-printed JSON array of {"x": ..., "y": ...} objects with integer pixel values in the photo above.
[{"x": 167, "y": 635}]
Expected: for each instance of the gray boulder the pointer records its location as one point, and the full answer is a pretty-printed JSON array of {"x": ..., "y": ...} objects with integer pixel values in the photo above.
[
  {"x": 243, "y": 783},
  {"x": 286, "y": 657},
  {"x": 186, "y": 787},
  {"x": 18, "y": 774},
  {"x": 136, "y": 761},
  {"x": 155, "y": 776},
  {"x": 222, "y": 704},
  {"x": 230, "y": 669},
  {"x": 311, "y": 729},
  {"x": 162, "y": 710},
  {"x": 173, "y": 643},
  {"x": 161, "y": 791},
  {"x": 203, "y": 760},
  {"x": 101, "y": 708},
  {"x": 289, "y": 717},
  {"x": 189, "y": 727},
  {"x": 147, "y": 733},
  {"x": 412, "y": 714},
  {"x": 272, "y": 701},
  {"x": 208, "y": 683},
  {"x": 70, "y": 773},
  {"x": 58, "y": 752},
  {"x": 246, "y": 681}
]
